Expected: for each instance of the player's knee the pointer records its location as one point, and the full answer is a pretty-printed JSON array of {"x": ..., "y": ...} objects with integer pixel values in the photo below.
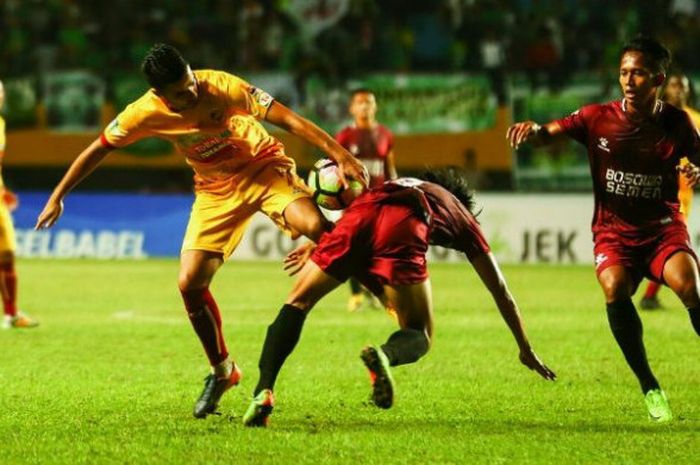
[
  {"x": 303, "y": 301},
  {"x": 189, "y": 281},
  {"x": 687, "y": 291},
  {"x": 615, "y": 289}
]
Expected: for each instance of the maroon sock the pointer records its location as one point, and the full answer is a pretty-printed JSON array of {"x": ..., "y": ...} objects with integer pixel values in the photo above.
[
  {"x": 652, "y": 290},
  {"x": 9, "y": 288},
  {"x": 206, "y": 321}
]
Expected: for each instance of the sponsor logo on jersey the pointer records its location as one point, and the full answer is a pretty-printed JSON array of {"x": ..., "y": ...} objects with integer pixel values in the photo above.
[
  {"x": 203, "y": 146},
  {"x": 603, "y": 144},
  {"x": 637, "y": 185}
]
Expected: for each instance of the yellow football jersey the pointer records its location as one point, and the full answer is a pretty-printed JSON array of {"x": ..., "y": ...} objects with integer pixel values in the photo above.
[
  {"x": 219, "y": 136},
  {"x": 685, "y": 192}
]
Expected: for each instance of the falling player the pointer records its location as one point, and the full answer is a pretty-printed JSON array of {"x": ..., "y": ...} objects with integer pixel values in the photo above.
[
  {"x": 373, "y": 144},
  {"x": 382, "y": 239},
  {"x": 635, "y": 148}
]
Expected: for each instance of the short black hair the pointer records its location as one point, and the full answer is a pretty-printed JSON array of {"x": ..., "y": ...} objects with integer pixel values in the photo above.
[
  {"x": 453, "y": 180},
  {"x": 360, "y": 90},
  {"x": 163, "y": 65},
  {"x": 658, "y": 55}
]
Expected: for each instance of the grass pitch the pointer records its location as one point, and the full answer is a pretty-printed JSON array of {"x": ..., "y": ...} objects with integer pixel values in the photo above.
[{"x": 112, "y": 373}]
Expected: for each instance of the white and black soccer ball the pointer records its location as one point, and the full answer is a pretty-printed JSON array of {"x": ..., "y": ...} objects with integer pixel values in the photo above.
[{"x": 329, "y": 193}]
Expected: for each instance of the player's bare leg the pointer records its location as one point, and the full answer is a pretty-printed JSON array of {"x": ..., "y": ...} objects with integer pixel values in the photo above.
[
  {"x": 12, "y": 318},
  {"x": 618, "y": 286},
  {"x": 681, "y": 275},
  {"x": 413, "y": 306},
  {"x": 304, "y": 217},
  {"x": 197, "y": 268},
  {"x": 282, "y": 336}
]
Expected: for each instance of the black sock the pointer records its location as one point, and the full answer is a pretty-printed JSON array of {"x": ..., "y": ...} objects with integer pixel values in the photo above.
[
  {"x": 282, "y": 336},
  {"x": 355, "y": 287},
  {"x": 627, "y": 329},
  {"x": 406, "y": 346},
  {"x": 695, "y": 318}
]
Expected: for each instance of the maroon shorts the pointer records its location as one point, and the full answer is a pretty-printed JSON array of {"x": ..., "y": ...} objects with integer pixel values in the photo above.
[
  {"x": 378, "y": 244},
  {"x": 643, "y": 257}
]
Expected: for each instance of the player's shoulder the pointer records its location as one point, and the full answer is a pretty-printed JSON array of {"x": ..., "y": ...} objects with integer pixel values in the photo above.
[
  {"x": 384, "y": 130},
  {"x": 144, "y": 107},
  {"x": 673, "y": 113},
  {"x": 345, "y": 131},
  {"x": 675, "y": 119},
  {"x": 596, "y": 109},
  {"x": 217, "y": 79}
]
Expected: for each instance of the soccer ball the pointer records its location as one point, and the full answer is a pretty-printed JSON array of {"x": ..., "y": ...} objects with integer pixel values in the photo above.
[{"x": 329, "y": 193}]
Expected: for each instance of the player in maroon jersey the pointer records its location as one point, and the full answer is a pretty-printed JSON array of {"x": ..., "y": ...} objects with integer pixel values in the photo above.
[
  {"x": 636, "y": 147},
  {"x": 382, "y": 240},
  {"x": 373, "y": 144}
]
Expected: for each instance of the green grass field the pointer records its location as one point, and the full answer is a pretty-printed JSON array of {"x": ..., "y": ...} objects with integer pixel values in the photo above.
[{"x": 111, "y": 375}]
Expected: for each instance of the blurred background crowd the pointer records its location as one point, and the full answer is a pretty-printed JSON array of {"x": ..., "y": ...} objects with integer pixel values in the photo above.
[
  {"x": 547, "y": 40},
  {"x": 449, "y": 75}
]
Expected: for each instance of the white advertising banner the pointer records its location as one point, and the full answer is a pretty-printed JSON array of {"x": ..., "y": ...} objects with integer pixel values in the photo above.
[{"x": 521, "y": 228}]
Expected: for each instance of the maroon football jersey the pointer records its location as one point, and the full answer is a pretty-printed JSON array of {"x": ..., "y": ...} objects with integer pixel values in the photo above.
[
  {"x": 452, "y": 225},
  {"x": 633, "y": 164},
  {"x": 371, "y": 147}
]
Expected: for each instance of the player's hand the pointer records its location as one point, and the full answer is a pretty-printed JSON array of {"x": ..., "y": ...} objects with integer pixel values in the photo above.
[
  {"x": 10, "y": 199},
  {"x": 530, "y": 359},
  {"x": 520, "y": 133},
  {"x": 351, "y": 167},
  {"x": 297, "y": 258},
  {"x": 690, "y": 171},
  {"x": 50, "y": 214}
]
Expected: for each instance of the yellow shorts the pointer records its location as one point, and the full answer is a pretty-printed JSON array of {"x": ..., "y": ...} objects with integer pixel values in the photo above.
[
  {"x": 8, "y": 243},
  {"x": 218, "y": 220}
]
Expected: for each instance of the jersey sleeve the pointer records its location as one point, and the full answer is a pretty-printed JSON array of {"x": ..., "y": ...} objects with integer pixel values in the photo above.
[
  {"x": 390, "y": 139},
  {"x": 470, "y": 239},
  {"x": 575, "y": 125},
  {"x": 127, "y": 128},
  {"x": 246, "y": 97}
]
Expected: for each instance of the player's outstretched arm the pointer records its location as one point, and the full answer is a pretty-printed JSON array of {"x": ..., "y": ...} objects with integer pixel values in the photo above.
[
  {"x": 283, "y": 117},
  {"x": 86, "y": 162},
  {"x": 490, "y": 274},
  {"x": 532, "y": 133}
]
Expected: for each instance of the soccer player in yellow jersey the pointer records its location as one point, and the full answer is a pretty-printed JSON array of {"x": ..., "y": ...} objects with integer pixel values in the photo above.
[
  {"x": 212, "y": 117},
  {"x": 677, "y": 92},
  {"x": 12, "y": 318}
]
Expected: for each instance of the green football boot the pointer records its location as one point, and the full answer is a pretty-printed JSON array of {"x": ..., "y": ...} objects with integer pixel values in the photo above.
[
  {"x": 258, "y": 413},
  {"x": 657, "y": 405}
]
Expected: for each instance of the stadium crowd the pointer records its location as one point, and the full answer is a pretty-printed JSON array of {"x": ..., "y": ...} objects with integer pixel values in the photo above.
[{"x": 332, "y": 39}]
